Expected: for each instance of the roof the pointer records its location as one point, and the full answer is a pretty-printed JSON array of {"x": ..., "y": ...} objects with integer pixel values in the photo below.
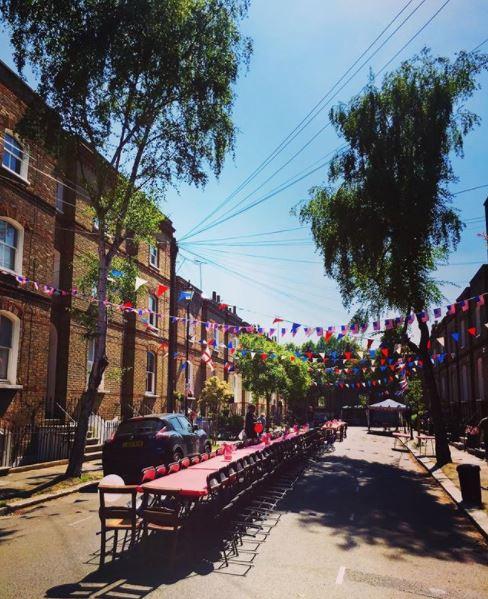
[{"x": 388, "y": 404}]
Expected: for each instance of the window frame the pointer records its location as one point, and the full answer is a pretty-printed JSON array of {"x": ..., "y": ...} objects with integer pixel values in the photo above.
[
  {"x": 24, "y": 160},
  {"x": 13, "y": 355},
  {"x": 152, "y": 256},
  {"x": 151, "y": 389},
  {"x": 153, "y": 311},
  {"x": 19, "y": 250}
]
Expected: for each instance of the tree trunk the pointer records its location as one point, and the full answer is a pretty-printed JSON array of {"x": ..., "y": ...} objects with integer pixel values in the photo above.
[
  {"x": 442, "y": 451},
  {"x": 268, "y": 400},
  {"x": 100, "y": 363}
]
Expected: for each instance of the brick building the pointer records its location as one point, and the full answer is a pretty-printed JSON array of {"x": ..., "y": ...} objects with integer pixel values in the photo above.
[
  {"x": 46, "y": 235},
  {"x": 213, "y": 328},
  {"x": 463, "y": 373}
]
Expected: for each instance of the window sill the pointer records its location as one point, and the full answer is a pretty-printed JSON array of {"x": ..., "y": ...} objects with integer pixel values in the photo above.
[
  {"x": 16, "y": 175},
  {"x": 6, "y": 385},
  {"x": 8, "y": 271},
  {"x": 151, "y": 395}
]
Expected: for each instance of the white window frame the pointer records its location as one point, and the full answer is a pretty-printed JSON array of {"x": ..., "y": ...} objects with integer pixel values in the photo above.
[
  {"x": 90, "y": 348},
  {"x": 151, "y": 375},
  {"x": 191, "y": 386},
  {"x": 152, "y": 304},
  {"x": 19, "y": 252},
  {"x": 13, "y": 357},
  {"x": 24, "y": 161},
  {"x": 59, "y": 197},
  {"x": 154, "y": 257}
]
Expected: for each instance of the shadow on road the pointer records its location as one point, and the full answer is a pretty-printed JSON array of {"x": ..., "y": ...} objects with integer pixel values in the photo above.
[{"x": 391, "y": 506}]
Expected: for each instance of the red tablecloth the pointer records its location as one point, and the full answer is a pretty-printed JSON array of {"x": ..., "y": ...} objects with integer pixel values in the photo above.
[{"x": 192, "y": 482}]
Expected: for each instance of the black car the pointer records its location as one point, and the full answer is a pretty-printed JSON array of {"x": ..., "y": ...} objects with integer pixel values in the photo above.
[{"x": 150, "y": 441}]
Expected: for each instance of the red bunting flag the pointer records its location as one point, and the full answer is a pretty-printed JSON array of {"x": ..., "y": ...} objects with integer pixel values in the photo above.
[
  {"x": 161, "y": 289},
  {"x": 277, "y": 320},
  {"x": 370, "y": 343},
  {"x": 348, "y": 355},
  {"x": 328, "y": 335},
  {"x": 472, "y": 331},
  {"x": 385, "y": 351},
  {"x": 264, "y": 357}
]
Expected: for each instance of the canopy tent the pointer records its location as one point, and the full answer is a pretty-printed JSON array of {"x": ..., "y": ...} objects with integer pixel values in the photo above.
[{"x": 387, "y": 406}]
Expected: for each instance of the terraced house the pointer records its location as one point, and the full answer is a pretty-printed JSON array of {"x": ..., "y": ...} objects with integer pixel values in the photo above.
[{"x": 46, "y": 234}]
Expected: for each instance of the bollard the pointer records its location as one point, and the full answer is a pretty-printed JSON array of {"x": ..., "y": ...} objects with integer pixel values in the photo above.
[{"x": 469, "y": 479}]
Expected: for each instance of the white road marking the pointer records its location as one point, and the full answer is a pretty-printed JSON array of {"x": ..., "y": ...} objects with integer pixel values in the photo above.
[
  {"x": 437, "y": 591},
  {"x": 340, "y": 575},
  {"x": 79, "y": 521}
]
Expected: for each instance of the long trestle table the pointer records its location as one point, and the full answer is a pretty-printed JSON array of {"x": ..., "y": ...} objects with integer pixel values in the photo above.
[{"x": 192, "y": 481}]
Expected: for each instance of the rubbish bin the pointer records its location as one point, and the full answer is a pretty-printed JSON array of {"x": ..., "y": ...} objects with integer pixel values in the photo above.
[{"x": 469, "y": 478}]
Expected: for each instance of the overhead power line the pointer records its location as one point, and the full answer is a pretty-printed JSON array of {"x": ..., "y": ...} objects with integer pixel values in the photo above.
[
  {"x": 215, "y": 223},
  {"x": 311, "y": 115}
]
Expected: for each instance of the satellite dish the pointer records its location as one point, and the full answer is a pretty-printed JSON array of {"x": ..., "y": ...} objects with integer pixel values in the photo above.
[{"x": 113, "y": 480}]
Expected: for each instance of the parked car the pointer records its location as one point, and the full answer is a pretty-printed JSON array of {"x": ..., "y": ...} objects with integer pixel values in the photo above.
[{"x": 150, "y": 441}]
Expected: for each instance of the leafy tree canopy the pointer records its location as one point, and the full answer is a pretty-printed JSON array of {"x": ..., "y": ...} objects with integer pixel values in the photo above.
[
  {"x": 384, "y": 222},
  {"x": 214, "y": 395}
]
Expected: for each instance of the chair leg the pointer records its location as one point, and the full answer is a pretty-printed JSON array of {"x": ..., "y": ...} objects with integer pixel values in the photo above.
[
  {"x": 103, "y": 541},
  {"x": 116, "y": 538}
]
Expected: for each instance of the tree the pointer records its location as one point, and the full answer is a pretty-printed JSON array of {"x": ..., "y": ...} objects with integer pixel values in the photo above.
[
  {"x": 141, "y": 93},
  {"x": 262, "y": 370},
  {"x": 268, "y": 367},
  {"x": 384, "y": 223},
  {"x": 214, "y": 395}
]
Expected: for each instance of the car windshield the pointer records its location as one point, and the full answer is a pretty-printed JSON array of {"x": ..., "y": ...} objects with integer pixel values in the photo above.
[{"x": 140, "y": 427}]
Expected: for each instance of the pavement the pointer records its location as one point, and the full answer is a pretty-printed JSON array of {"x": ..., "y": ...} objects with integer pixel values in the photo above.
[
  {"x": 364, "y": 521},
  {"x": 28, "y": 482}
]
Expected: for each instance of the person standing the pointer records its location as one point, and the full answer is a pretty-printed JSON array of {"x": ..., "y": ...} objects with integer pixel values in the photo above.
[
  {"x": 262, "y": 420},
  {"x": 250, "y": 422}
]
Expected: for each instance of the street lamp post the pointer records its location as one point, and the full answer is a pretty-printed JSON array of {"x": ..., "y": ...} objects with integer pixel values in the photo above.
[{"x": 187, "y": 371}]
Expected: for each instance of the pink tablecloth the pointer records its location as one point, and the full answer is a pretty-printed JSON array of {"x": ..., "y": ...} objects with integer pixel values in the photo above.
[{"x": 192, "y": 482}]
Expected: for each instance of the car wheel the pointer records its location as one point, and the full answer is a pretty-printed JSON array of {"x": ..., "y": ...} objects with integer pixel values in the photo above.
[
  {"x": 177, "y": 455},
  {"x": 208, "y": 447}
]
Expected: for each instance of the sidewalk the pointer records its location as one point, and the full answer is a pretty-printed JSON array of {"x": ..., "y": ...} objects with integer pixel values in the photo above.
[
  {"x": 447, "y": 477},
  {"x": 25, "y": 484}
]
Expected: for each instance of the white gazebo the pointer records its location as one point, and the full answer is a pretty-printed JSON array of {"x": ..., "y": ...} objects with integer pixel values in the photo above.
[{"x": 387, "y": 405}]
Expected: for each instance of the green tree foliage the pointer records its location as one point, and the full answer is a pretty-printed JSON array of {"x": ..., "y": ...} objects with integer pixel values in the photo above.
[
  {"x": 384, "y": 222},
  {"x": 214, "y": 395},
  {"x": 141, "y": 96},
  {"x": 272, "y": 368}
]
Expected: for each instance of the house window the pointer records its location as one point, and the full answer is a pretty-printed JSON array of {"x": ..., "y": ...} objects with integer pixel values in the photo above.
[
  {"x": 191, "y": 388},
  {"x": 9, "y": 344},
  {"x": 154, "y": 256},
  {"x": 14, "y": 158},
  {"x": 59, "y": 197},
  {"x": 153, "y": 311},
  {"x": 90, "y": 358},
  {"x": 11, "y": 242},
  {"x": 150, "y": 372}
]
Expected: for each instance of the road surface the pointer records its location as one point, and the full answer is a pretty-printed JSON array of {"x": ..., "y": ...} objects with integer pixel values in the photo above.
[{"x": 364, "y": 521}]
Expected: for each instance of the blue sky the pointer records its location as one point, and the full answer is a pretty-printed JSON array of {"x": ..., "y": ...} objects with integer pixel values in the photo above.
[{"x": 300, "y": 50}]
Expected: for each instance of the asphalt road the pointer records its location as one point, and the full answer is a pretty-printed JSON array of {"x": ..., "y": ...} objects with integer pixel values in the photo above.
[{"x": 365, "y": 521}]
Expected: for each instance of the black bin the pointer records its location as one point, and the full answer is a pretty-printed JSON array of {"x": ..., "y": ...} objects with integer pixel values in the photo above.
[{"x": 469, "y": 478}]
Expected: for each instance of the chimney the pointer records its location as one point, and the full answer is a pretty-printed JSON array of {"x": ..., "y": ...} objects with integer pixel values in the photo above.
[
  {"x": 214, "y": 296},
  {"x": 234, "y": 309},
  {"x": 218, "y": 299}
]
